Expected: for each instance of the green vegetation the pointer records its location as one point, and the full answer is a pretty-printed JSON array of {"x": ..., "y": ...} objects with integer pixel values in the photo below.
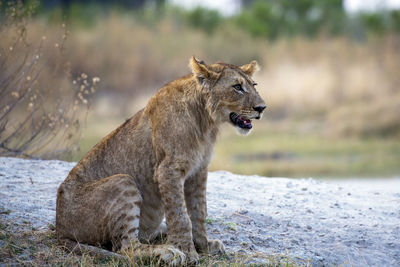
[
  {"x": 268, "y": 19},
  {"x": 205, "y": 19},
  {"x": 261, "y": 18},
  {"x": 273, "y": 19}
]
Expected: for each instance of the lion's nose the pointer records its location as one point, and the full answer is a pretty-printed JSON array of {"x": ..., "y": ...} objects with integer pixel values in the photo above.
[{"x": 260, "y": 108}]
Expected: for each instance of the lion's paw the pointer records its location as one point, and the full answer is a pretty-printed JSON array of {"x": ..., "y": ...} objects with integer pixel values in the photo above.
[
  {"x": 170, "y": 255},
  {"x": 192, "y": 257},
  {"x": 216, "y": 247}
]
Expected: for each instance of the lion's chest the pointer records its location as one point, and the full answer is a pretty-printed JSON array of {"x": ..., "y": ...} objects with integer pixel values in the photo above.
[{"x": 201, "y": 154}]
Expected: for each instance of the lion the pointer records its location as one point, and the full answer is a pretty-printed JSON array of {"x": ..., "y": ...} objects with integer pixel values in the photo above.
[{"x": 154, "y": 166}]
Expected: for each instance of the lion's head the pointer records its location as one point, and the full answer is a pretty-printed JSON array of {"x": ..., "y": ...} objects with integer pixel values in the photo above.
[{"x": 231, "y": 90}]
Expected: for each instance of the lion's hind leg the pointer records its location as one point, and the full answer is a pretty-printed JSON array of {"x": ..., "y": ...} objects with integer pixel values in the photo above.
[
  {"x": 84, "y": 249},
  {"x": 125, "y": 232},
  {"x": 107, "y": 211},
  {"x": 124, "y": 228}
]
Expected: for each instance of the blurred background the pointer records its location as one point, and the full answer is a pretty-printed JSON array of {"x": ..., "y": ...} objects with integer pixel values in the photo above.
[{"x": 72, "y": 71}]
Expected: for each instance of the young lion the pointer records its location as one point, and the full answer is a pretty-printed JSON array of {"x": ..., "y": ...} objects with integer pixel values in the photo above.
[{"x": 155, "y": 165}]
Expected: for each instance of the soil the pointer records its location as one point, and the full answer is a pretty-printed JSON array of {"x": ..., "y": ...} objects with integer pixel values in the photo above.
[{"x": 319, "y": 223}]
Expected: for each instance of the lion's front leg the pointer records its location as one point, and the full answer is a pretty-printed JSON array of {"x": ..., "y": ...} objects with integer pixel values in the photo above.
[
  {"x": 195, "y": 196},
  {"x": 170, "y": 176}
]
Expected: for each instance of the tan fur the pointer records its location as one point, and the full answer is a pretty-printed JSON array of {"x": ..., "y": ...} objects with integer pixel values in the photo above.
[{"x": 155, "y": 166}]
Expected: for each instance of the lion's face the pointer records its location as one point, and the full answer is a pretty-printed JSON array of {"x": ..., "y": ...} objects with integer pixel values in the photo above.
[
  {"x": 233, "y": 96},
  {"x": 239, "y": 102}
]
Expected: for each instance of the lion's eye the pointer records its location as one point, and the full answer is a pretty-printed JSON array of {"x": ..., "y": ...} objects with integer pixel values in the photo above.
[{"x": 239, "y": 88}]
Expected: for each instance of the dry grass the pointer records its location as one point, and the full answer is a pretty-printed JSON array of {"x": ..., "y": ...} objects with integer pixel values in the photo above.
[
  {"x": 27, "y": 246},
  {"x": 339, "y": 84},
  {"x": 347, "y": 88},
  {"x": 132, "y": 57}
]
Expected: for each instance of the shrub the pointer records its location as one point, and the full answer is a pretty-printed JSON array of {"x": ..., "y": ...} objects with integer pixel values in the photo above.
[{"x": 41, "y": 109}]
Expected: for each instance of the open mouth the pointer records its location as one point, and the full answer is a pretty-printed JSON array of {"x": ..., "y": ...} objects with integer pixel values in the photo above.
[{"x": 239, "y": 121}]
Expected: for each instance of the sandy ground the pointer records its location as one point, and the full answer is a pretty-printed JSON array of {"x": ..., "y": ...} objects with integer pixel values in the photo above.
[{"x": 350, "y": 223}]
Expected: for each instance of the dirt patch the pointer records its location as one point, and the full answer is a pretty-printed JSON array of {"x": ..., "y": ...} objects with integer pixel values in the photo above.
[{"x": 353, "y": 223}]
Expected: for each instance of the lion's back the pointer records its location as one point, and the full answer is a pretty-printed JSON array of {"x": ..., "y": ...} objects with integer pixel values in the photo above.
[{"x": 126, "y": 150}]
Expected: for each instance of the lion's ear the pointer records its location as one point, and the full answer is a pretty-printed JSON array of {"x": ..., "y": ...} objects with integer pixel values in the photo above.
[
  {"x": 204, "y": 75},
  {"x": 250, "y": 68}
]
